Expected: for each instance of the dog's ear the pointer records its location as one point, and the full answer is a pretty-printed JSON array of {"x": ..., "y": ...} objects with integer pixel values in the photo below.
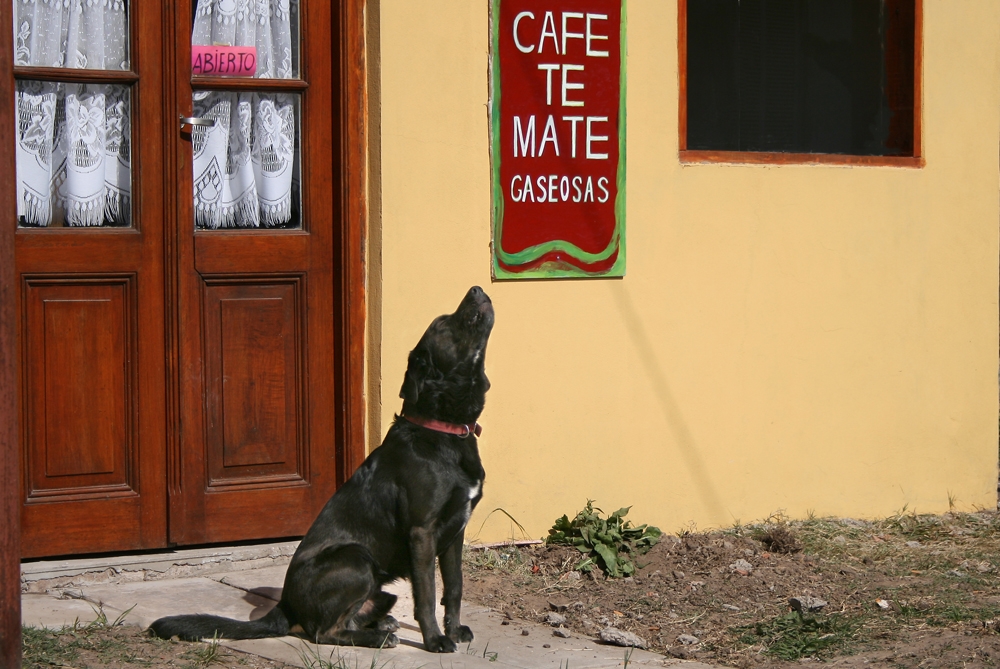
[{"x": 418, "y": 366}]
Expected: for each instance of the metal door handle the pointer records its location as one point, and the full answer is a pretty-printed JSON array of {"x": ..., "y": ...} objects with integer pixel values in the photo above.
[{"x": 194, "y": 120}]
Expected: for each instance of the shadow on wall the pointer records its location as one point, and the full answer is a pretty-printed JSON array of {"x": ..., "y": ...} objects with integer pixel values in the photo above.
[{"x": 668, "y": 406}]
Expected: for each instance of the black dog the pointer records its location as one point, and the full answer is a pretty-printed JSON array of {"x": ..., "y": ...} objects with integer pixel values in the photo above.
[{"x": 407, "y": 504}]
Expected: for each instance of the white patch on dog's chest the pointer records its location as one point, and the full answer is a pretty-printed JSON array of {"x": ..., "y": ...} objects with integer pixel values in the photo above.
[{"x": 472, "y": 493}]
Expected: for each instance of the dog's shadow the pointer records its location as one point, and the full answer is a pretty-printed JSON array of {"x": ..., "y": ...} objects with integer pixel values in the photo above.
[{"x": 271, "y": 594}]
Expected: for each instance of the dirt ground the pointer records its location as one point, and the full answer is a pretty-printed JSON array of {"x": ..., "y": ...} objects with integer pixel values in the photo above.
[{"x": 908, "y": 591}]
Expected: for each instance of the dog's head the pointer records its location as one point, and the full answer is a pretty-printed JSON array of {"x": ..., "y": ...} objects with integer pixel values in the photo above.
[{"x": 446, "y": 372}]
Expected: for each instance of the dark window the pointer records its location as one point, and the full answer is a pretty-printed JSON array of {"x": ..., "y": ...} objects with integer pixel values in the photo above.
[{"x": 801, "y": 76}]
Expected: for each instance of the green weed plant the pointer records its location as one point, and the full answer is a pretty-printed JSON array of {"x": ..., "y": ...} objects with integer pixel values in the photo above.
[
  {"x": 794, "y": 636},
  {"x": 608, "y": 543}
]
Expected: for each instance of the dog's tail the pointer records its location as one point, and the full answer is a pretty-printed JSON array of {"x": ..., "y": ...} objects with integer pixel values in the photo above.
[{"x": 200, "y": 626}]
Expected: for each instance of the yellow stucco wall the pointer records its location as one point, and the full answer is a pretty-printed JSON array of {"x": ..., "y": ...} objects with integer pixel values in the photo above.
[{"x": 798, "y": 338}]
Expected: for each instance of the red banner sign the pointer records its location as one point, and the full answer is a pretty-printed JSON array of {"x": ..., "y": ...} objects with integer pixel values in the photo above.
[{"x": 558, "y": 138}]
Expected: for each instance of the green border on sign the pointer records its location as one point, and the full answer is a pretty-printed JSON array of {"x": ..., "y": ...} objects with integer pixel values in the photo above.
[{"x": 552, "y": 270}]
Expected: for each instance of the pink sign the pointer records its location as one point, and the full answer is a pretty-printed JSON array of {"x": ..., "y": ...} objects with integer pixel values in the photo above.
[{"x": 225, "y": 61}]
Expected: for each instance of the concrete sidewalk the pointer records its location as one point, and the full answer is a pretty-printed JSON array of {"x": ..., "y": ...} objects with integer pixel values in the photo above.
[{"x": 245, "y": 582}]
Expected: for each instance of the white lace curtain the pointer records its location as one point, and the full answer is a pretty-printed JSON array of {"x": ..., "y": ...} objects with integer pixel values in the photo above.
[
  {"x": 73, "y": 140},
  {"x": 244, "y": 167}
]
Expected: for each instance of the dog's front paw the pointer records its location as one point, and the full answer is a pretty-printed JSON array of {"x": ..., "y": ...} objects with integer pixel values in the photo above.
[
  {"x": 391, "y": 641},
  {"x": 460, "y": 634},
  {"x": 440, "y": 644}
]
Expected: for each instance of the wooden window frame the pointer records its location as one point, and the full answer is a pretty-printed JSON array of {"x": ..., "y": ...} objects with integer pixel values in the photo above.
[
  {"x": 695, "y": 156},
  {"x": 351, "y": 143},
  {"x": 10, "y": 468}
]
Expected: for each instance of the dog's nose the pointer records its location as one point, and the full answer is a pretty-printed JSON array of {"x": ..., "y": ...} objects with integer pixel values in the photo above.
[{"x": 476, "y": 291}]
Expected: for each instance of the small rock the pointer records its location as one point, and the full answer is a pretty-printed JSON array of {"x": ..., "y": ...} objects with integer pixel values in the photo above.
[
  {"x": 806, "y": 604},
  {"x": 681, "y": 653},
  {"x": 561, "y": 632},
  {"x": 688, "y": 640},
  {"x": 853, "y": 522},
  {"x": 673, "y": 614},
  {"x": 574, "y": 576},
  {"x": 984, "y": 568},
  {"x": 578, "y": 606},
  {"x": 618, "y": 637},
  {"x": 655, "y": 574},
  {"x": 840, "y": 540},
  {"x": 555, "y": 619},
  {"x": 913, "y": 544},
  {"x": 748, "y": 552},
  {"x": 697, "y": 584},
  {"x": 508, "y": 615},
  {"x": 603, "y": 620},
  {"x": 678, "y": 575},
  {"x": 524, "y": 632},
  {"x": 505, "y": 622},
  {"x": 883, "y": 604},
  {"x": 955, "y": 572},
  {"x": 546, "y": 645},
  {"x": 730, "y": 607},
  {"x": 741, "y": 566},
  {"x": 728, "y": 545},
  {"x": 559, "y": 605}
]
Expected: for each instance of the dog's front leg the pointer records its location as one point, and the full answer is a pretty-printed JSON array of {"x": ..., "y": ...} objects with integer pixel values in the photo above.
[
  {"x": 451, "y": 576},
  {"x": 422, "y": 577}
]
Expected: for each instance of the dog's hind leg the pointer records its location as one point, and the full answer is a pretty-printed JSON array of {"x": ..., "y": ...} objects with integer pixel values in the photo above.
[
  {"x": 374, "y": 613},
  {"x": 363, "y": 626},
  {"x": 343, "y": 583}
]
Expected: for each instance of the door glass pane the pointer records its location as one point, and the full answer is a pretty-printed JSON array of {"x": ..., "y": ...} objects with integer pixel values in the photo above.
[
  {"x": 269, "y": 26},
  {"x": 73, "y": 139},
  {"x": 246, "y": 165},
  {"x": 83, "y": 34},
  {"x": 73, "y": 154}
]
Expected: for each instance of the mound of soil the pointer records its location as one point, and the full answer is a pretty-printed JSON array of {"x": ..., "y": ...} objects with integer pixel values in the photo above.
[{"x": 724, "y": 598}]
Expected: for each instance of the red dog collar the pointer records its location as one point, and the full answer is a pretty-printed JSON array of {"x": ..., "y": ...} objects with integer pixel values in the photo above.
[{"x": 461, "y": 430}]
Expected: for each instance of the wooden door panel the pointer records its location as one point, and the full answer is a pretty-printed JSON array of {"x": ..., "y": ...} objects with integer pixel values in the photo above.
[
  {"x": 85, "y": 526},
  {"x": 80, "y": 359},
  {"x": 254, "y": 389},
  {"x": 256, "y": 251},
  {"x": 91, "y": 251},
  {"x": 92, "y": 412},
  {"x": 257, "y": 314},
  {"x": 92, "y": 349}
]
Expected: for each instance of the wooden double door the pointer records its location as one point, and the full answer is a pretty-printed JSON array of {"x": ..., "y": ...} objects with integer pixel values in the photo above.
[{"x": 189, "y": 358}]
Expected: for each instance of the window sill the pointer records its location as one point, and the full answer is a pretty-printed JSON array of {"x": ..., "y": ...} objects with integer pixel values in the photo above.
[{"x": 691, "y": 157}]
